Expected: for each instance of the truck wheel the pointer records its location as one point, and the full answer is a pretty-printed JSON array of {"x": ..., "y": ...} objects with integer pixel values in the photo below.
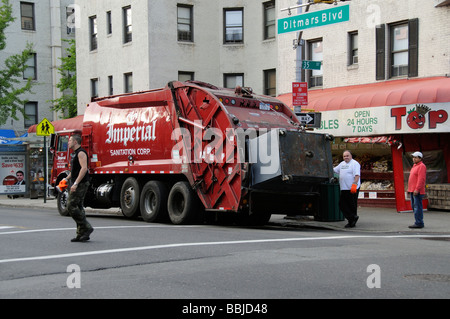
[
  {"x": 182, "y": 204},
  {"x": 129, "y": 197},
  {"x": 62, "y": 203},
  {"x": 153, "y": 201}
]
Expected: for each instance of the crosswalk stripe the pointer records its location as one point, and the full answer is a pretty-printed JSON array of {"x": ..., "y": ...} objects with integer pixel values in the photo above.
[{"x": 7, "y": 227}]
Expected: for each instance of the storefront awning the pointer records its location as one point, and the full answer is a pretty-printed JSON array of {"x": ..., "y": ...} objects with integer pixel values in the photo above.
[
  {"x": 74, "y": 123},
  {"x": 387, "y": 93}
]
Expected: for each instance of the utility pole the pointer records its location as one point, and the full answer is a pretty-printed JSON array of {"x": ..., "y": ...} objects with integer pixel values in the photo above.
[{"x": 298, "y": 46}]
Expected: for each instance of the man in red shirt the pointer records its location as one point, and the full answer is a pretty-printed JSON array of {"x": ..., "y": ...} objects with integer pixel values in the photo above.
[{"x": 416, "y": 188}]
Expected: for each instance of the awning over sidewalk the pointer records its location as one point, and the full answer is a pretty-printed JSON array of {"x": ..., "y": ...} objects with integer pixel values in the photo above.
[
  {"x": 74, "y": 123},
  {"x": 387, "y": 93},
  {"x": 9, "y": 137}
]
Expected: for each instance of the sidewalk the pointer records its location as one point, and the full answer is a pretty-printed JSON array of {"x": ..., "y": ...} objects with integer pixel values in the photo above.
[
  {"x": 371, "y": 219},
  {"x": 376, "y": 219}
]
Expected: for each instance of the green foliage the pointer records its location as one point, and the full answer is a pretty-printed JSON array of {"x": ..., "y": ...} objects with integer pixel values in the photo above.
[{"x": 11, "y": 71}]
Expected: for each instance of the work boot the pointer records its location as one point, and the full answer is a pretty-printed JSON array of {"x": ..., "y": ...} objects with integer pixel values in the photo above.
[
  {"x": 352, "y": 223},
  {"x": 85, "y": 236},
  {"x": 76, "y": 239}
]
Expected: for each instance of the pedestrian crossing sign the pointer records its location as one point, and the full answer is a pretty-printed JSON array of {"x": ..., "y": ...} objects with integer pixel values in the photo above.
[{"x": 45, "y": 128}]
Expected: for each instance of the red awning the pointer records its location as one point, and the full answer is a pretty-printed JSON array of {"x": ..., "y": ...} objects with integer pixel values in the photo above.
[
  {"x": 74, "y": 123},
  {"x": 396, "y": 92}
]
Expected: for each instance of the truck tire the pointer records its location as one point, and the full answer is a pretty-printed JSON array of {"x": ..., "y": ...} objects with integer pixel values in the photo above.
[
  {"x": 62, "y": 203},
  {"x": 153, "y": 201},
  {"x": 182, "y": 204},
  {"x": 129, "y": 197}
]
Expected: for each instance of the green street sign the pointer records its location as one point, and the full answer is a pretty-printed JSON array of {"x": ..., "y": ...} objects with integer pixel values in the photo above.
[
  {"x": 314, "y": 19},
  {"x": 311, "y": 65}
]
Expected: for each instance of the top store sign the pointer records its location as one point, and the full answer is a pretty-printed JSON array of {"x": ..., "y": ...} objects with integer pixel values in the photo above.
[
  {"x": 314, "y": 19},
  {"x": 382, "y": 120}
]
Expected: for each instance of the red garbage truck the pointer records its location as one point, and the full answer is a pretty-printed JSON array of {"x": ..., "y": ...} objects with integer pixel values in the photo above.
[{"x": 192, "y": 149}]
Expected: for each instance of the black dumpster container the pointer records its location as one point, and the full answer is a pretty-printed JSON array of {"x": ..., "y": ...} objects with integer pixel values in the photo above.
[{"x": 329, "y": 203}]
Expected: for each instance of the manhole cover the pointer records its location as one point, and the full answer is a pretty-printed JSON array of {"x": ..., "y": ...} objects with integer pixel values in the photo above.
[{"x": 430, "y": 277}]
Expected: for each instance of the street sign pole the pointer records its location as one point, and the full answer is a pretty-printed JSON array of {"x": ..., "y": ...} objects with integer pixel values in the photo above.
[
  {"x": 45, "y": 169},
  {"x": 45, "y": 128}
]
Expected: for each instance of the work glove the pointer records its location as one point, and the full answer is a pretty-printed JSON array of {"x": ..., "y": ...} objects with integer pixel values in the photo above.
[
  {"x": 353, "y": 189},
  {"x": 62, "y": 185}
]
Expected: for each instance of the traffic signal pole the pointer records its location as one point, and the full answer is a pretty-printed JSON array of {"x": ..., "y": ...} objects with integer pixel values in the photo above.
[{"x": 298, "y": 46}]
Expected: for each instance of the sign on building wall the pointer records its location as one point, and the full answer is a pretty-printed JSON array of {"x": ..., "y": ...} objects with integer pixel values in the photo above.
[
  {"x": 399, "y": 119},
  {"x": 314, "y": 19}
]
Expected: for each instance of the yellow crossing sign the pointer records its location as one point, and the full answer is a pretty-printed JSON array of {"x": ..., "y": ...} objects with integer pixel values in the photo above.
[{"x": 45, "y": 128}]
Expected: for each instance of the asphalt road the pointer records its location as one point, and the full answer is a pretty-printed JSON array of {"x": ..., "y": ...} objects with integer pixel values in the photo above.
[{"x": 133, "y": 259}]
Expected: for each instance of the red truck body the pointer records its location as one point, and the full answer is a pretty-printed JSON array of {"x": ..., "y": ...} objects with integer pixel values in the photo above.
[{"x": 192, "y": 147}]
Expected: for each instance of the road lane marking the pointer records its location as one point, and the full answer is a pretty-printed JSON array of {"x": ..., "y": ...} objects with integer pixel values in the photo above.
[
  {"x": 7, "y": 227},
  {"x": 235, "y": 242},
  {"x": 101, "y": 227}
]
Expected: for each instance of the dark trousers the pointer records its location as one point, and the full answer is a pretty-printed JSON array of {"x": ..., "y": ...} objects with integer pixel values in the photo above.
[
  {"x": 75, "y": 208},
  {"x": 348, "y": 203}
]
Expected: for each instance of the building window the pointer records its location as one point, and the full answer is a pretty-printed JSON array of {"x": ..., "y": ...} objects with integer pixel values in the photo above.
[
  {"x": 127, "y": 25},
  {"x": 108, "y": 23},
  {"x": 30, "y": 68},
  {"x": 234, "y": 25},
  {"x": 31, "y": 114},
  {"x": 353, "y": 48},
  {"x": 315, "y": 53},
  {"x": 94, "y": 88},
  {"x": 27, "y": 16},
  {"x": 185, "y": 23},
  {"x": 270, "y": 82},
  {"x": 128, "y": 82},
  {"x": 231, "y": 80},
  {"x": 269, "y": 20},
  {"x": 93, "y": 32},
  {"x": 185, "y": 76},
  {"x": 402, "y": 49},
  {"x": 110, "y": 85},
  {"x": 399, "y": 50}
]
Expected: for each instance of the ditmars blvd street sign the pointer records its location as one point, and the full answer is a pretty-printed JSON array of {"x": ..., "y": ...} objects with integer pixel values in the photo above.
[{"x": 314, "y": 19}]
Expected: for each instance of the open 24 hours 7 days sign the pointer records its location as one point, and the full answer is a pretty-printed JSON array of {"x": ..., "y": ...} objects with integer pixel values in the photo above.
[{"x": 399, "y": 119}]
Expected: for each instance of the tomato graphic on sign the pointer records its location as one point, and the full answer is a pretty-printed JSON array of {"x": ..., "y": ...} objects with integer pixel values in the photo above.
[
  {"x": 416, "y": 117},
  {"x": 415, "y": 120}
]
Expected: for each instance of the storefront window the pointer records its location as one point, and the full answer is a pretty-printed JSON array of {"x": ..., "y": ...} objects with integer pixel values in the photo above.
[
  {"x": 435, "y": 163},
  {"x": 375, "y": 160}
]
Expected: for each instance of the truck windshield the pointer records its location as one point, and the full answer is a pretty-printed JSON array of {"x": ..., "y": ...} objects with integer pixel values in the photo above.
[{"x": 63, "y": 143}]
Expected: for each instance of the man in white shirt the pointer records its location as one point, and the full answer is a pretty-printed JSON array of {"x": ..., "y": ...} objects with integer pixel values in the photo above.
[{"x": 349, "y": 172}]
